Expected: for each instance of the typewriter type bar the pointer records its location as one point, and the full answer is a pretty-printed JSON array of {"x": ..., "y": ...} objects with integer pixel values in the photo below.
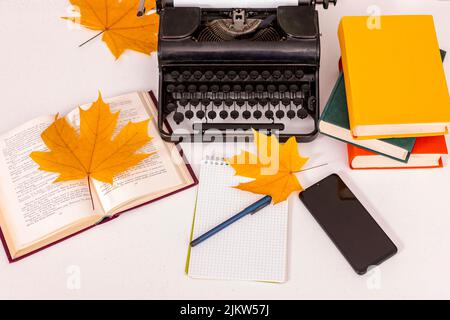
[{"x": 228, "y": 71}]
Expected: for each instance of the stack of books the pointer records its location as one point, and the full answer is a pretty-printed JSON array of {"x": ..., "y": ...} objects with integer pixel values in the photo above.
[{"x": 391, "y": 103}]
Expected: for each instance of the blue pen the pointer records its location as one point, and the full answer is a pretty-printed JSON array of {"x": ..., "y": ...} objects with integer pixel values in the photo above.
[{"x": 251, "y": 209}]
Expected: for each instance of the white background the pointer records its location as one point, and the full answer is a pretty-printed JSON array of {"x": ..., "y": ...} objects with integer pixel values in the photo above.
[{"x": 142, "y": 254}]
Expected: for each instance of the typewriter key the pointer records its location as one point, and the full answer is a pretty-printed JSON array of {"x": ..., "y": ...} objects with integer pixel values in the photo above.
[
  {"x": 302, "y": 113},
  {"x": 228, "y": 102},
  {"x": 286, "y": 102},
  {"x": 171, "y": 107},
  {"x": 282, "y": 88},
  {"x": 290, "y": 114},
  {"x": 271, "y": 88},
  {"x": 192, "y": 88},
  {"x": 257, "y": 114},
  {"x": 203, "y": 88},
  {"x": 276, "y": 74},
  {"x": 305, "y": 87},
  {"x": 231, "y": 74},
  {"x": 299, "y": 74},
  {"x": 212, "y": 114},
  {"x": 189, "y": 114},
  {"x": 209, "y": 75},
  {"x": 183, "y": 102},
  {"x": 263, "y": 102},
  {"x": 240, "y": 102},
  {"x": 252, "y": 102},
  {"x": 243, "y": 75},
  {"x": 220, "y": 75},
  {"x": 246, "y": 114},
  {"x": 195, "y": 102},
  {"x": 260, "y": 88},
  {"x": 178, "y": 117},
  {"x": 175, "y": 74},
  {"x": 217, "y": 102},
  {"x": 186, "y": 75},
  {"x": 265, "y": 74},
  {"x": 223, "y": 114},
  {"x": 279, "y": 114},
  {"x": 170, "y": 88},
  {"x": 274, "y": 101},
  {"x": 215, "y": 88},
  {"x": 254, "y": 74},
  {"x": 198, "y": 75},
  {"x": 298, "y": 101},
  {"x": 200, "y": 114},
  {"x": 237, "y": 88},
  {"x": 180, "y": 88},
  {"x": 226, "y": 88},
  {"x": 249, "y": 88},
  {"x": 269, "y": 114},
  {"x": 206, "y": 101},
  {"x": 293, "y": 88},
  {"x": 288, "y": 74},
  {"x": 234, "y": 114}
]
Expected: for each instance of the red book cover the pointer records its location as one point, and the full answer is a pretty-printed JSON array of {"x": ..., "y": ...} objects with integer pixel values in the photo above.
[
  {"x": 424, "y": 146},
  {"x": 195, "y": 182}
]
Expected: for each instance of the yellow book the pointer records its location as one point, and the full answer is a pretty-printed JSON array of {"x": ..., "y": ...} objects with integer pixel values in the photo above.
[{"x": 394, "y": 77}]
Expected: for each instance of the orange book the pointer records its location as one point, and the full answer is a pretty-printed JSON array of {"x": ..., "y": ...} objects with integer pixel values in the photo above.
[
  {"x": 427, "y": 153},
  {"x": 394, "y": 77}
]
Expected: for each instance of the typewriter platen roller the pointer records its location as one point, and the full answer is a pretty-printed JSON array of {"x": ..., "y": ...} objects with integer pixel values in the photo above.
[{"x": 225, "y": 71}]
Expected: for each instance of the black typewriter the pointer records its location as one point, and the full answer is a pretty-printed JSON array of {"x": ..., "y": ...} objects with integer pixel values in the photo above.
[{"x": 226, "y": 71}]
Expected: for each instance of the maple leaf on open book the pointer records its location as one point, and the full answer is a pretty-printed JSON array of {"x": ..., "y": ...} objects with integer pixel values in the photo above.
[{"x": 94, "y": 153}]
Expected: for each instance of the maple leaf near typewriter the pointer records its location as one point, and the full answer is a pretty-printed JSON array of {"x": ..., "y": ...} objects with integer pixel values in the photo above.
[
  {"x": 117, "y": 20},
  {"x": 94, "y": 152},
  {"x": 273, "y": 168}
]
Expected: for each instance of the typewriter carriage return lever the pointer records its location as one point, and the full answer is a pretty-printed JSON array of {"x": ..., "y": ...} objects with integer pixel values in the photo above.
[{"x": 226, "y": 71}]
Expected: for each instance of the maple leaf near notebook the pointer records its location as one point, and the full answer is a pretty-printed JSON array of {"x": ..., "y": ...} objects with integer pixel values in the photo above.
[
  {"x": 36, "y": 211},
  {"x": 394, "y": 77},
  {"x": 427, "y": 153},
  {"x": 119, "y": 24},
  {"x": 273, "y": 168}
]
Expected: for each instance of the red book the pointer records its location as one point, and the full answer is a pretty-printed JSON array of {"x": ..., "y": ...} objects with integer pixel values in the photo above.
[
  {"x": 427, "y": 153},
  {"x": 36, "y": 213}
]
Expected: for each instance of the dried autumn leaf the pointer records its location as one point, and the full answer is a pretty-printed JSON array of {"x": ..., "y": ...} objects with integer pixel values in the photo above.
[
  {"x": 94, "y": 153},
  {"x": 273, "y": 168},
  {"x": 117, "y": 20}
]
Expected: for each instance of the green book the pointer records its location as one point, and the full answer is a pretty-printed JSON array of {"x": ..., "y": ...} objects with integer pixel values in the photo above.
[{"x": 335, "y": 124}]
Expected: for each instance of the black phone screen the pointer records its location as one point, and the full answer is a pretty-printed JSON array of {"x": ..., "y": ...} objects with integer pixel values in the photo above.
[{"x": 348, "y": 224}]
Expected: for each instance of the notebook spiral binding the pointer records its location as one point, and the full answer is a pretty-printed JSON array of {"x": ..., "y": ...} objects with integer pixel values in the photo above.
[{"x": 215, "y": 160}]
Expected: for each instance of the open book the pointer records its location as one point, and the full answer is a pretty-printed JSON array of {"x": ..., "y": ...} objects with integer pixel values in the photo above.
[{"x": 35, "y": 212}]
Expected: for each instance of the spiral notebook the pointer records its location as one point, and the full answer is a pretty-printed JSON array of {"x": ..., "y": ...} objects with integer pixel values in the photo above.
[{"x": 254, "y": 248}]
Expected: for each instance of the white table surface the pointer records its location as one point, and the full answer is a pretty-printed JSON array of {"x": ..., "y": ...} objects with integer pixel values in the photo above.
[{"x": 142, "y": 254}]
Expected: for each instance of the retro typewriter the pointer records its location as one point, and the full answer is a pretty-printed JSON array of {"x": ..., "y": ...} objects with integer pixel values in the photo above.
[{"x": 226, "y": 71}]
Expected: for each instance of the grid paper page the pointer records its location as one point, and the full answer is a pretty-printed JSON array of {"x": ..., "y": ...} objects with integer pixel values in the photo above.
[{"x": 253, "y": 248}]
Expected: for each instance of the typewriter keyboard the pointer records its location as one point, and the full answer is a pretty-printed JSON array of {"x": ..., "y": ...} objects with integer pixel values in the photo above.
[{"x": 196, "y": 99}]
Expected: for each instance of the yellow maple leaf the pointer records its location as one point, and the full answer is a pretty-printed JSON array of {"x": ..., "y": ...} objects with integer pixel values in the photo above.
[
  {"x": 94, "y": 153},
  {"x": 273, "y": 168},
  {"x": 117, "y": 20}
]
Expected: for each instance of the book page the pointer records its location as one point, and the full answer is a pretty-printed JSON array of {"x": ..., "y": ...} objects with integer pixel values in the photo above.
[
  {"x": 156, "y": 174},
  {"x": 31, "y": 205}
]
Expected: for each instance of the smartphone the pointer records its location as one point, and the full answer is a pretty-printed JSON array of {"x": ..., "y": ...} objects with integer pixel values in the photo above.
[{"x": 348, "y": 224}]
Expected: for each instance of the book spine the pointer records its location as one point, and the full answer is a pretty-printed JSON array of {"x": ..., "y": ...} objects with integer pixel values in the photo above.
[
  {"x": 350, "y": 155},
  {"x": 324, "y": 114},
  {"x": 346, "y": 72}
]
